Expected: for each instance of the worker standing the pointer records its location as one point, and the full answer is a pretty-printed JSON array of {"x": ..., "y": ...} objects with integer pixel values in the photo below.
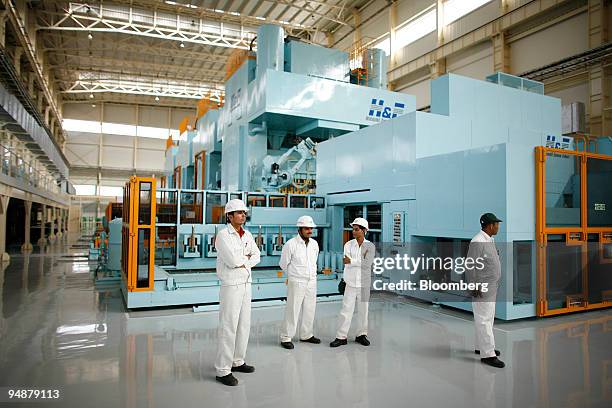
[
  {"x": 237, "y": 253},
  {"x": 483, "y": 303},
  {"x": 299, "y": 262},
  {"x": 358, "y": 258}
]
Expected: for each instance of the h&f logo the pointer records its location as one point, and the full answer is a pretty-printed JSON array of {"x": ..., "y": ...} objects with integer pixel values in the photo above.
[
  {"x": 551, "y": 141},
  {"x": 378, "y": 110}
]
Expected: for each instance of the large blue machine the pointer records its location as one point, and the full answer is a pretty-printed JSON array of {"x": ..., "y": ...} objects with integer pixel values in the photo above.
[
  {"x": 434, "y": 173},
  {"x": 295, "y": 137},
  {"x": 261, "y": 147}
]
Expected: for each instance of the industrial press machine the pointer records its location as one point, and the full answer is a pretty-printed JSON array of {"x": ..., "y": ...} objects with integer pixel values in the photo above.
[
  {"x": 304, "y": 132},
  {"x": 259, "y": 146}
]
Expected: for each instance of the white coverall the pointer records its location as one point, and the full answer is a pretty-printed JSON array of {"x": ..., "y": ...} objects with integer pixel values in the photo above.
[
  {"x": 299, "y": 262},
  {"x": 482, "y": 245},
  {"x": 235, "y": 257},
  {"x": 358, "y": 279}
]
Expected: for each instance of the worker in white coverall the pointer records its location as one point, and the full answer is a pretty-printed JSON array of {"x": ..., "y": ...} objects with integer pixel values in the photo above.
[
  {"x": 237, "y": 253},
  {"x": 483, "y": 247},
  {"x": 358, "y": 258},
  {"x": 299, "y": 262}
]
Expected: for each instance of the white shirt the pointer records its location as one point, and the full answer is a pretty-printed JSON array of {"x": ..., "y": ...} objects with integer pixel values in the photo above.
[
  {"x": 298, "y": 260},
  {"x": 233, "y": 263},
  {"x": 483, "y": 246},
  {"x": 361, "y": 256}
]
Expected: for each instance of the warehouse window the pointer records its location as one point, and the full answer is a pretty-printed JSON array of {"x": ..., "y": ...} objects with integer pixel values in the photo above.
[
  {"x": 76, "y": 125},
  {"x": 111, "y": 191},
  {"x": 85, "y": 189},
  {"x": 384, "y": 44},
  {"x": 420, "y": 25},
  {"x": 118, "y": 129},
  {"x": 92, "y": 126},
  {"x": 455, "y": 9}
]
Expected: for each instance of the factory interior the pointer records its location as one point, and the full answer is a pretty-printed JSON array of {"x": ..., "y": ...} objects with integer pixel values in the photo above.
[{"x": 135, "y": 133}]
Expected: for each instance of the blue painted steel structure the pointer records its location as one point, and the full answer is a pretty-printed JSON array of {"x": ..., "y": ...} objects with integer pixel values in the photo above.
[
  {"x": 438, "y": 172},
  {"x": 278, "y": 106},
  {"x": 422, "y": 174}
]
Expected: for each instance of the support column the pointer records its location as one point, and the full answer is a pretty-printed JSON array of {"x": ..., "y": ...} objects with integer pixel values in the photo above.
[
  {"x": 437, "y": 68},
  {"x": 392, "y": 26},
  {"x": 47, "y": 112},
  {"x": 4, "y": 201},
  {"x": 52, "y": 219},
  {"x": 60, "y": 233},
  {"x": 501, "y": 53},
  {"x": 42, "y": 241},
  {"x": 600, "y": 95},
  {"x": 330, "y": 39},
  {"x": 357, "y": 23},
  {"x": 27, "y": 245},
  {"x": 440, "y": 22},
  {"x": 3, "y": 16},
  {"x": 17, "y": 60}
]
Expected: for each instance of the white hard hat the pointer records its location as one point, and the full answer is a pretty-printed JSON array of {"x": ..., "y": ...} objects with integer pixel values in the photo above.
[
  {"x": 361, "y": 222},
  {"x": 235, "y": 204},
  {"x": 306, "y": 221}
]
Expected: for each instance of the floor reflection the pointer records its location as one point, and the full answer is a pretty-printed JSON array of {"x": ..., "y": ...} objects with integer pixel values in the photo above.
[{"x": 58, "y": 329}]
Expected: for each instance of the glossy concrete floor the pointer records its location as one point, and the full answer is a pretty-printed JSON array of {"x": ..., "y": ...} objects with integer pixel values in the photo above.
[{"x": 59, "y": 331}]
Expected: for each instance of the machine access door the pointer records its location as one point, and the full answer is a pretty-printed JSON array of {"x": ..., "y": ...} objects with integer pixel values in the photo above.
[
  {"x": 138, "y": 234},
  {"x": 574, "y": 230}
]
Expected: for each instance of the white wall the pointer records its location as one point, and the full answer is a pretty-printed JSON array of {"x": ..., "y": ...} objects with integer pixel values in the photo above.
[
  {"x": 118, "y": 152},
  {"x": 528, "y": 50},
  {"x": 550, "y": 45},
  {"x": 151, "y": 116},
  {"x": 118, "y": 155},
  {"x": 475, "y": 62},
  {"x": 577, "y": 93}
]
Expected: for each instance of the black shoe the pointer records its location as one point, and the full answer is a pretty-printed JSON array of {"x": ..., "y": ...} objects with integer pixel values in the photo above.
[
  {"x": 228, "y": 380},
  {"x": 497, "y": 352},
  {"x": 287, "y": 344},
  {"x": 245, "y": 368},
  {"x": 338, "y": 342},
  {"x": 493, "y": 362},
  {"x": 363, "y": 340},
  {"x": 312, "y": 340}
]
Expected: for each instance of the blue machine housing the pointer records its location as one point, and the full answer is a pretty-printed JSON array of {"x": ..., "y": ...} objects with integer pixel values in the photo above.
[
  {"x": 432, "y": 174},
  {"x": 439, "y": 171}
]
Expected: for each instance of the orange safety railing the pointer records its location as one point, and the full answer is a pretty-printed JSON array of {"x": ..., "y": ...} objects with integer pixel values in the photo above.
[
  {"x": 199, "y": 174},
  {"x": 205, "y": 105},
  {"x": 359, "y": 60},
  {"x": 176, "y": 177},
  {"x": 581, "y": 235},
  {"x": 235, "y": 61}
]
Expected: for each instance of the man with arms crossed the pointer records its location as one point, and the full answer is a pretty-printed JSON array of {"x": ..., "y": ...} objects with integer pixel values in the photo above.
[{"x": 237, "y": 253}]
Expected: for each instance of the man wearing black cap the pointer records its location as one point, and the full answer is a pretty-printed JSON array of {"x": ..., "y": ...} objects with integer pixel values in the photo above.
[{"x": 483, "y": 303}]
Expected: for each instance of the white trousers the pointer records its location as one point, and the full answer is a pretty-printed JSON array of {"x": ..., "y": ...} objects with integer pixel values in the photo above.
[
  {"x": 484, "y": 314},
  {"x": 301, "y": 296},
  {"x": 351, "y": 296},
  {"x": 234, "y": 327}
]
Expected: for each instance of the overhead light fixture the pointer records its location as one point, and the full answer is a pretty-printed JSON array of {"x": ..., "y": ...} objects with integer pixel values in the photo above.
[
  {"x": 90, "y": 36},
  {"x": 182, "y": 45},
  {"x": 93, "y": 105},
  {"x": 90, "y": 96},
  {"x": 157, "y": 99}
]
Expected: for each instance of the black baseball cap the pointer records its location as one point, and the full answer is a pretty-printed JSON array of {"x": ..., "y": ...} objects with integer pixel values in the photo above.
[{"x": 488, "y": 218}]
